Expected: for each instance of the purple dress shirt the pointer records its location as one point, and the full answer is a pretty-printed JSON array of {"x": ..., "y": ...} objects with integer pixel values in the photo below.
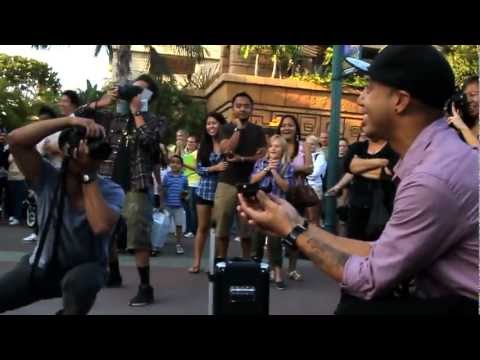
[{"x": 433, "y": 231}]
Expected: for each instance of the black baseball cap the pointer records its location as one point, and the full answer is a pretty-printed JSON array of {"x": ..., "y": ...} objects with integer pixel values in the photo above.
[{"x": 421, "y": 70}]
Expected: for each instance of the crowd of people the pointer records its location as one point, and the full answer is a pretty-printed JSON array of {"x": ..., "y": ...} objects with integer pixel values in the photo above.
[{"x": 196, "y": 181}]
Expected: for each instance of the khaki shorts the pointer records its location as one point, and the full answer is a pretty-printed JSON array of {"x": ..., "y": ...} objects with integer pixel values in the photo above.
[
  {"x": 138, "y": 214},
  {"x": 225, "y": 207}
]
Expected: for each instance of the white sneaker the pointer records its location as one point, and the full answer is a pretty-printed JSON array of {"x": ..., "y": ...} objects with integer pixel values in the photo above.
[
  {"x": 237, "y": 239},
  {"x": 189, "y": 235},
  {"x": 30, "y": 238},
  {"x": 13, "y": 222}
]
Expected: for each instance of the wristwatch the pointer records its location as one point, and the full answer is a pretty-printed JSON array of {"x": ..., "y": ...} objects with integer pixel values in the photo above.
[
  {"x": 137, "y": 113},
  {"x": 291, "y": 239},
  {"x": 88, "y": 178}
]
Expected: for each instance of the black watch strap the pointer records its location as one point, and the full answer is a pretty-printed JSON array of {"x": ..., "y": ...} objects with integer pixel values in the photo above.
[
  {"x": 138, "y": 113},
  {"x": 291, "y": 239}
]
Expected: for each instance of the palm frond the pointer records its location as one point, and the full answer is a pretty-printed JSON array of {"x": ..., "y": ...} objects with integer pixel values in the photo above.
[
  {"x": 196, "y": 52},
  {"x": 108, "y": 48}
]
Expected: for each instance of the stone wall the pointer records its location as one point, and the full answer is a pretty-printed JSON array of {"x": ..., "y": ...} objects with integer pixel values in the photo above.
[{"x": 273, "y": 98}]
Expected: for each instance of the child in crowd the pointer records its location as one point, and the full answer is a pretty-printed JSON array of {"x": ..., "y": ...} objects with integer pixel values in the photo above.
[
  {"x": 273, "y": 172},
  {"x": 175, "y": 187}
]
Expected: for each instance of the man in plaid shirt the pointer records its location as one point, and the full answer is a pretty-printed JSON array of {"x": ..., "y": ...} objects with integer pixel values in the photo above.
[{"x": 135, "y": 140}]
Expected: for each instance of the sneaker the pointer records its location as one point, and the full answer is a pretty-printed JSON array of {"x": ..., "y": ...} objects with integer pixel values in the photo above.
[
  {"x": 12, "y": 221},
  {"x": 280, "y": 285},
  {"x": 189, "y": 235},
  {"x": 237, "y": 239},
  {"x": 295, "y": 275},
  {"x": 180, "y": 250},
  {"x": 143, "y": 297},
  {"x": 113, "y": 281},
  {"x": 30, "y": 238}
]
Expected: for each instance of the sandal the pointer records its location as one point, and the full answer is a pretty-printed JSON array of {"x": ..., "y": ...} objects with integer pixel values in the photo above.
[
  {"x": 194, "y": 270},
  {"x": 295, "y": 275}
]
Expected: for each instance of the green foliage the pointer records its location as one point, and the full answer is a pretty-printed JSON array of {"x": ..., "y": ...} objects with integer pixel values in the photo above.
[
  {"x": 91, "y": 93},
  {"x": 33, "y": 78},
  {"x": 181, "y": 111},
  {"x": 14, "y": 109},
  {"x": 463, "y": 59},
  {"x": 24, "y": 85}
]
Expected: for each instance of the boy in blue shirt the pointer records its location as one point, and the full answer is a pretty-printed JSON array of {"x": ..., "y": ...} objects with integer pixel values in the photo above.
[{"x": 175, "y": 187}]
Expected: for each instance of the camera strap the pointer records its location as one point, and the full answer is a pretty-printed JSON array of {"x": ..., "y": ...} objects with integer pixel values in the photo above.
[{"x": 59, "y": 190}]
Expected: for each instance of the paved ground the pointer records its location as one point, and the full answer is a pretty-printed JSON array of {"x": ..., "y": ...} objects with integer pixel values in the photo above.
[{"x": 176, "y": 291}]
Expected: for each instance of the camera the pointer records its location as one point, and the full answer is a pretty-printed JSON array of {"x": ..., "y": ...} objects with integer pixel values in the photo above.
[
  {"x": 250, "y": 190},
  {"x": 70, "y": 138},
  {"x": 460, "y": 102},
  {"x": 128, "y": 92}
]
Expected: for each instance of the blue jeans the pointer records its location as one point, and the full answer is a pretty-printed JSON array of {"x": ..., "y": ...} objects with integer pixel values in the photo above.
[
  {"x": 16, "y": 194},
  {"x": 191, "y": 211}
]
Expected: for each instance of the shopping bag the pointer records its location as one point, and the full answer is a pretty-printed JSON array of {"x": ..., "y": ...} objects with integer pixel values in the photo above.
[{"x": 160, "y": 228}]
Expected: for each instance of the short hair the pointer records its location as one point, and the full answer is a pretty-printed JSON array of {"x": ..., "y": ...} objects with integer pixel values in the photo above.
[
  {"x": 193, "y": 136},
  {"x": 183, "y": 131},
  {"x": 72, "y": 96},
  {"x": 47, "y": 110},
  {"x": 469, "y": 80},
  {"x": 343, "y": 139},
  {"x": 152, "y": 85},
  {"x": 242, "y": 94},
  {"x": 176, "y": 157}
]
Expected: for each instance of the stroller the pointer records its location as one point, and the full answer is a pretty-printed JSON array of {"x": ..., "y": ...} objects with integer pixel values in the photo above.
[{"x": 30, "y": 206}]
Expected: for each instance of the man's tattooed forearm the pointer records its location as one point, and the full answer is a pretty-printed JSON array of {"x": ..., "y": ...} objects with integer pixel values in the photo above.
[{"x": 326, "y": 256}]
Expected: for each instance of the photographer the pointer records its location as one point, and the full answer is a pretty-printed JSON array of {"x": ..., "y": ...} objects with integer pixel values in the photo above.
[
  {"x": 77, "y": 212},
  {"x": 134, "y": 134},
  {"x": 404, "y": 105},
  {"x": 465, "y": 118}
]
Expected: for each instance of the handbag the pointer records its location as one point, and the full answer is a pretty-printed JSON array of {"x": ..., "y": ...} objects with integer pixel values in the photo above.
[{"x": 302, "y": 196}]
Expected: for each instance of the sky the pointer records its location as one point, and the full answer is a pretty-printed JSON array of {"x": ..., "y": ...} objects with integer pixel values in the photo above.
[{"x": 75, "y": 64}]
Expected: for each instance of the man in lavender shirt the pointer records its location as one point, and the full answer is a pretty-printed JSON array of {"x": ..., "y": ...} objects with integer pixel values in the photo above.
[{"x": 432, "y": 235}]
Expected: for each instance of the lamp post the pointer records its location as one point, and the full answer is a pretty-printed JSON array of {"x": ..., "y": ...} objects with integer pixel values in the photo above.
[{"x": 333, "y": 135}]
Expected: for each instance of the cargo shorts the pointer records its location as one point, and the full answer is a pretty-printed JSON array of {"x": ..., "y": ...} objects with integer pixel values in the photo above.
[
  {"x": 138, "y": 214},
  {"x": 224, "y": 210}
]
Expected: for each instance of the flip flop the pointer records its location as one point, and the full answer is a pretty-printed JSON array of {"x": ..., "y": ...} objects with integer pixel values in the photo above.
[{"x": 194, "y": 270}]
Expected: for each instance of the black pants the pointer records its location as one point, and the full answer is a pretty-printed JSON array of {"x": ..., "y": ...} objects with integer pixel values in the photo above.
[
  {"x": 16, "y": 194},
  {"x": 448, "y": 305},
  {"x": 357, "y": 223},
  {"x": 78, "y": 287}
]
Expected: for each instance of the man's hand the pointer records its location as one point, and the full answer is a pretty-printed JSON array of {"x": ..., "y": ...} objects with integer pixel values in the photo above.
[
  {"x": 456, "y": 120},
  {"x": 109, "y": 98},
  {"x": 239, "y": 124},
  {"x": 135, "y": 104},
  {"x": 270, "y": 214},
  {"x": 86, "y": 163},
  {"x": 234, "y": 158},
  {"x": 94, "y": 130}
]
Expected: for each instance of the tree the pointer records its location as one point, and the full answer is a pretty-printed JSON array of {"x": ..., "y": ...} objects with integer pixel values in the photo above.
[
  {"x": 280, "y": 52},
  {"x": 91, "y": 93},
  {"x": 463, "y": 59},
  {"x": 124, "y": 56},
  {"x": 33, "y": 78},
  {"x": 257, "y": 50},
  {"x": 24, "y": 85}
]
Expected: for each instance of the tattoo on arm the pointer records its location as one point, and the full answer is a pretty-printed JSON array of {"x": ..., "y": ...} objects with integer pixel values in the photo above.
[{"x": 329, "y": 259}]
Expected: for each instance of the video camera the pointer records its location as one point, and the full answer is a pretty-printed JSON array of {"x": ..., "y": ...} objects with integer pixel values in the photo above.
[
  {"x": 70, "y": 138},
  {"x": 128, "y": 91}
]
